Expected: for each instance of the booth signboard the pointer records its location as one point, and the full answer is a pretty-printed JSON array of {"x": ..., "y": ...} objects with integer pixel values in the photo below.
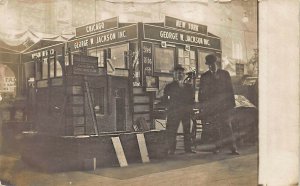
[
  {"x": 147, "y": 62},
  {"x": 9, "y": 84},
  {"x": 85, "y": 65},
  {"x": 97, "y": 27},
  {"x": 125, "y": 33},
  {"x": 176, "y": 36},
  {"x": 185, "y": 25}
]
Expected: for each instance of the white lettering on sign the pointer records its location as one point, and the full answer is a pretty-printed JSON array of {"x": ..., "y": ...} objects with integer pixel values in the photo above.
[
  {"x": 94, "y": 27},
  {"x": 199, "y": 40},
  {"x": 106, "y": 38},
  {"x": 206, "y": 42},
  {"x": 168, "y": 35},
  {"x": 147, "y": 60},
  {"x": 147, "y": 49},
  {"x": 147, "y": 70},
  {"x": 122, "y": 34},
  {"x": 193, "y": 39},
  {"x": 193, "y": 27},
  {"x": 100, "y": 39},
  {"x": 180, "y": 24},
  {"x": 79, "y": 44},
  {"x": 190, "y": 26},
  {"x": 9, "y": 84},
  {"x": 42, "y": 53},
  {"x": 182, "y": 37}
]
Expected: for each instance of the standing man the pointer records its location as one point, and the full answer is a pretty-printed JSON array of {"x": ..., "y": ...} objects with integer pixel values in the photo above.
[
  {"x": 179, "y": 98},
  {"x": 217, "y": 99}
]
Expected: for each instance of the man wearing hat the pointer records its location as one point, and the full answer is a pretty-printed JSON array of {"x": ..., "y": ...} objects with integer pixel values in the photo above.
[
  {"x": 217, "y": 99},
  {"x": 179, "y": 99}
]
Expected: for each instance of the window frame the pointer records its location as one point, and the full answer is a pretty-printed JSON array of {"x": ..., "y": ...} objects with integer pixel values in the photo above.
[{"x": 172, "y": 65}]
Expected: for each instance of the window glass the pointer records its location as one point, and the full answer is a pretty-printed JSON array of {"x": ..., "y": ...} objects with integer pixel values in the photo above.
[
  {"x": 44, "y": 69},
  {"x": 29, "y": 69},
  {"x": 98, "y": 53},
  {"x": 52, "y": 68},
  {"x": 117, "y": 56},
  {"x": 39, "y": 70},
  {"x": 58, "y": 69},
  {"x": 164, "y": 59},
  {"x": 187, "y": 59}
]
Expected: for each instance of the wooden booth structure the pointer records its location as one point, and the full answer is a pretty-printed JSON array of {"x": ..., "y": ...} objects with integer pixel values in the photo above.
[
  {"x": 110, "y": 76},
  {"x": 106, "y": 82}
]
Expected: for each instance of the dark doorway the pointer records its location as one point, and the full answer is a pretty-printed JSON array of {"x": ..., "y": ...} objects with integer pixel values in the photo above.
[{"x": 120, "y": 109}]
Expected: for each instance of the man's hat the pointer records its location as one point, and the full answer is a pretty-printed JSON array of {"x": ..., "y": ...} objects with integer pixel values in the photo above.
[
  {"x": 210, "y": 58},
  {"x": 178, "y": 67}
]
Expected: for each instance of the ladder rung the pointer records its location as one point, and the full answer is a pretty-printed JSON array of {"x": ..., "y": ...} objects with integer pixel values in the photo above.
[
  {"x": 146, "y": 103},
  {"x": 142, "y": 112},
  {"x": 140, "y": 94}
]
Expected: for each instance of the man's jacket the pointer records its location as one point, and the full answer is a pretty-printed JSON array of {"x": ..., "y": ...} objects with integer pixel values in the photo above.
[
  {"x": 178, "y": 99},
  {"x": 215, "y": 93}
]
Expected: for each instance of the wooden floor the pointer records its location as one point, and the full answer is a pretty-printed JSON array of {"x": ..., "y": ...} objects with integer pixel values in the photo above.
[{"x": 202, "y": 168}]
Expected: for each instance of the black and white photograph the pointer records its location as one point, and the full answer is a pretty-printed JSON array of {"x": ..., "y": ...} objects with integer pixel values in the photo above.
[{"x": 149, "y": 92}]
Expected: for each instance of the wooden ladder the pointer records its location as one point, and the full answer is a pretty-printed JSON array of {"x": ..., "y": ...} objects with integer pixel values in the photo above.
[
  {"x": 91, "y": 108},
  {"x": 142, "y": 109},
  {"x": 75, "y": 109}
]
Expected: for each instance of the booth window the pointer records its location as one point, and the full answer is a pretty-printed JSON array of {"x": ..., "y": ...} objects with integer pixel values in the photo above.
[
  {"x": 117, "y": 56},
  {"x": 55, "y": 68},
  {"x": 38, "y": 72},
  {"x": 29, "y": 70},
  {"x": 98, "y": 94},
  {"x": 164, "y": 59},
  {"x": 187, "y": 59},
  {"x": 98, "y": 53},
  {"x": 52, "y": 68},
  {"x": 45, "y": 68},
  {"x": 58, "y": 69}
]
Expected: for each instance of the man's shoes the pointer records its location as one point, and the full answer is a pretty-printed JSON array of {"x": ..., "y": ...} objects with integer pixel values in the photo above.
[
  {"x": 190, "y": 151},
  {"x": 235, "y": 152}
]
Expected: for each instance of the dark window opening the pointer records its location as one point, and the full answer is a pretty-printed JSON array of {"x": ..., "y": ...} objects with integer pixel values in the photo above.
[{"x": 98, "y": 95}]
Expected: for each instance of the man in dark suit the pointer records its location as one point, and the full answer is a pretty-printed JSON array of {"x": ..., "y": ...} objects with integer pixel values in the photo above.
[
  {"x": 216, "y": 98},
  {"x": 179, "y": 99}
]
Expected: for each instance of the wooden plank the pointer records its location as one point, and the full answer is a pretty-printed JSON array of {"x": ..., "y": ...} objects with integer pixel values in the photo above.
[
  {"x": 140, "y": 108},
  {"x": 143, "y": 147},
  {"x": 143, "y": 112},
  {"x": 119, "y": 151},
  {"x": 79, "y": 131},
  {"x": 141, "y": 99},
  {"x": 90, "y": 103},
  {"x": 138, "y": 90}
]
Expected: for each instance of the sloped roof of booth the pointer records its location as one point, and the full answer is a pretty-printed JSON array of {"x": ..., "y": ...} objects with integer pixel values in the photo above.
[
  {"x": 18, "y": 42},
  {"x": 41, "y": 44}
]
